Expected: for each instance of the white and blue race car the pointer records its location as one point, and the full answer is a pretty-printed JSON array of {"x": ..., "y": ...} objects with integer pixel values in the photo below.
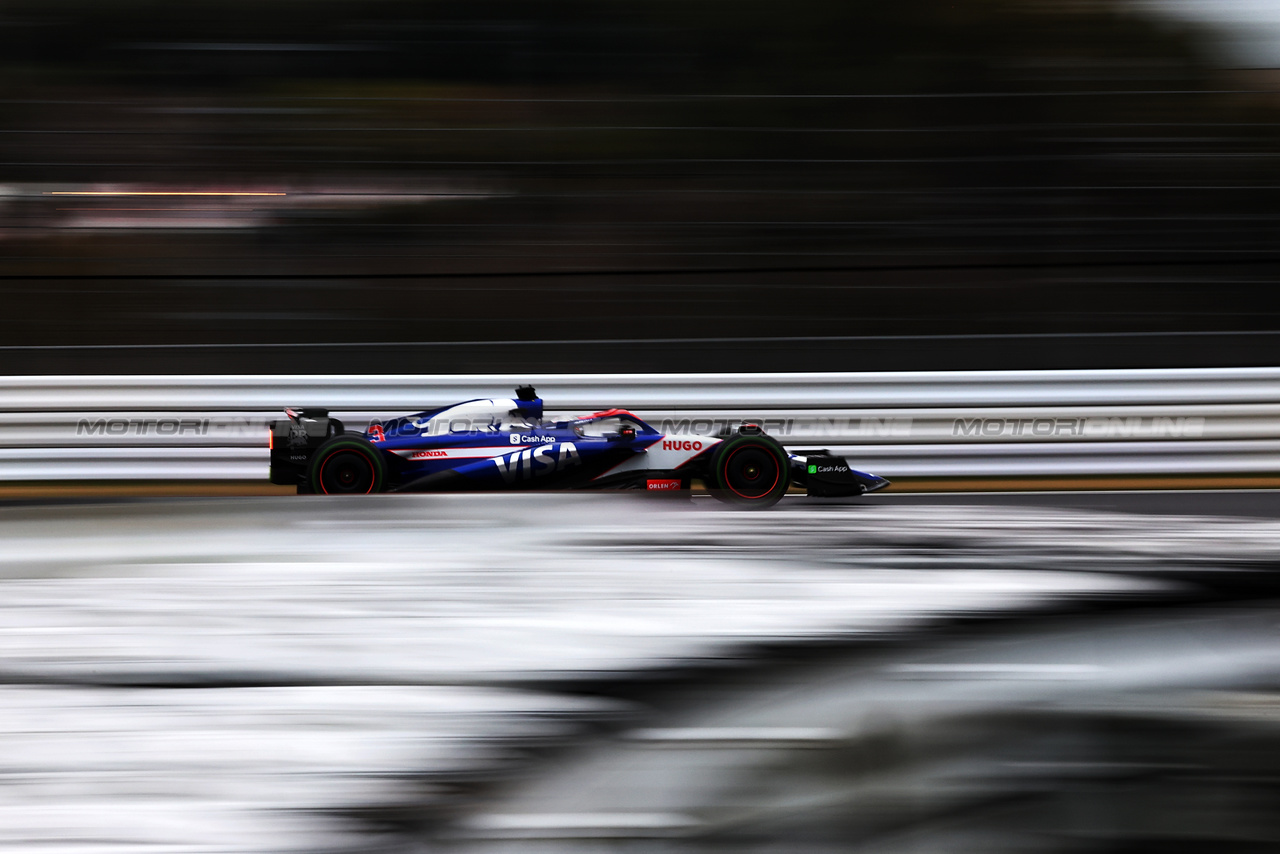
[{"x": 507, "y": 444}]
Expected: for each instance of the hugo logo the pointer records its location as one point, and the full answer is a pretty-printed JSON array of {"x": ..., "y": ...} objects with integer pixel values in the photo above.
[{"x": 680, "y": 445}]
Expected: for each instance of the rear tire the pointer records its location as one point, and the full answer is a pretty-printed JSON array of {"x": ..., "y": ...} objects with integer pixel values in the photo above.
[
  {"x": 347, "y": 465},
  {"x": 750, "y": 471}
]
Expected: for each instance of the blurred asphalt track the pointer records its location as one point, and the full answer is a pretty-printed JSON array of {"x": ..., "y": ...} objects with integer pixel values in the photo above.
[
  {"x": 606, "y": 672},
  {"x": 1243, "y": 494}
]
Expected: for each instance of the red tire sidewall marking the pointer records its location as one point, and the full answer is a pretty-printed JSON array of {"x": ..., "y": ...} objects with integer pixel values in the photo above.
[
  {"x": 725, "y": 470},
  {"x": 333, "y": 454}
]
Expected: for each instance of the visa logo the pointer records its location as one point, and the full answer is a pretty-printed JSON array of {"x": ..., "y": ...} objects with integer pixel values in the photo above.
[{"x": 541, "y": 460}]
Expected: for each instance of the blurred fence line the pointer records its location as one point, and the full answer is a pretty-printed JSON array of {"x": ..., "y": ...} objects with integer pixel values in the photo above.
[{"x": 1191, "y": 421}]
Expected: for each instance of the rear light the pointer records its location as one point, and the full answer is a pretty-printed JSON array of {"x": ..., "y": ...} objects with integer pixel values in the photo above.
[{"x": 271, "y": 439}]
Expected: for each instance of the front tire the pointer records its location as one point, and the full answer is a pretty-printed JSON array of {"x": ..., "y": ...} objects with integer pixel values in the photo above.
[
  {"x": 346, "y": 465},
  {"x": 750, "y": 471}
]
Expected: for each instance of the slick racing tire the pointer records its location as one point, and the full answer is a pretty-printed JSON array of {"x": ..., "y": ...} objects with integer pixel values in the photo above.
[
  {"x": 346, "y": 465},
  {"x": 750, "y": 471}
]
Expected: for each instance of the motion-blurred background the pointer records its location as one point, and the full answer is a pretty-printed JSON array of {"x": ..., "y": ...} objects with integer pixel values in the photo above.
[
  {"x": 471, "y": 185},
  {"x": 425, "y": 189}
]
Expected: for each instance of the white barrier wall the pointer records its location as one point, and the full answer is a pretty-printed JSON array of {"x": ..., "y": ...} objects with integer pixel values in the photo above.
[{"x": 1199, "y": 421}]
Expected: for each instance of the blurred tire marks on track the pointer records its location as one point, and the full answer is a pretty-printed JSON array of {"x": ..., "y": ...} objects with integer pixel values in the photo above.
[{"x": 258, "y": 674}]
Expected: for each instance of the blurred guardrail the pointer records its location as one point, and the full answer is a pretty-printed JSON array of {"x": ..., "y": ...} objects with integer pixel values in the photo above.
[{"x": 1016, "y": 423}]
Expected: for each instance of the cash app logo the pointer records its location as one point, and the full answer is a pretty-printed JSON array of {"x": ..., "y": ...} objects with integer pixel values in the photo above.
[{"x": 813, "y": 469}]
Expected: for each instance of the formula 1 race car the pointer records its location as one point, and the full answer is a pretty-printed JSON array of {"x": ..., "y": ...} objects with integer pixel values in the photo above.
[{"x": 507, "y": 444}]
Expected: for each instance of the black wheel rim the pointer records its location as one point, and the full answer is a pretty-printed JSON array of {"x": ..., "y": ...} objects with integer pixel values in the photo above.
[
  {"x": 751, "y": 472},
  {"x": 346, "y": 472}
]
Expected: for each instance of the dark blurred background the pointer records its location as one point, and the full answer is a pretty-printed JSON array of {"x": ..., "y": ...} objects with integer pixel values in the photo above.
[{"x": 476, "y": 185}]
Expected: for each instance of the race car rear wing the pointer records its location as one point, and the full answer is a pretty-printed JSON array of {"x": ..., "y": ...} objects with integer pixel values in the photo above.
[{"x": 293, "y": 441}]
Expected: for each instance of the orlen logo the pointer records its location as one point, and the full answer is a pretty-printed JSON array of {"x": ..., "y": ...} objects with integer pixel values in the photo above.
[
  {"x": 526, "y": 439},
  {"x": 680, "y": 445},
  {"x": 663, "y": 485}
]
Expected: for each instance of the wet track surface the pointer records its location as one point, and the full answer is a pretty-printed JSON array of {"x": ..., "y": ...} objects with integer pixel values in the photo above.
[
  {"x": 1257, "y": 503},
  {"x": 599, "y": 672}
]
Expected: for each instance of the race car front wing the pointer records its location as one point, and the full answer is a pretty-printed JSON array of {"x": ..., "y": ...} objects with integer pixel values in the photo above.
[{"x": 825, "y": 475}]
